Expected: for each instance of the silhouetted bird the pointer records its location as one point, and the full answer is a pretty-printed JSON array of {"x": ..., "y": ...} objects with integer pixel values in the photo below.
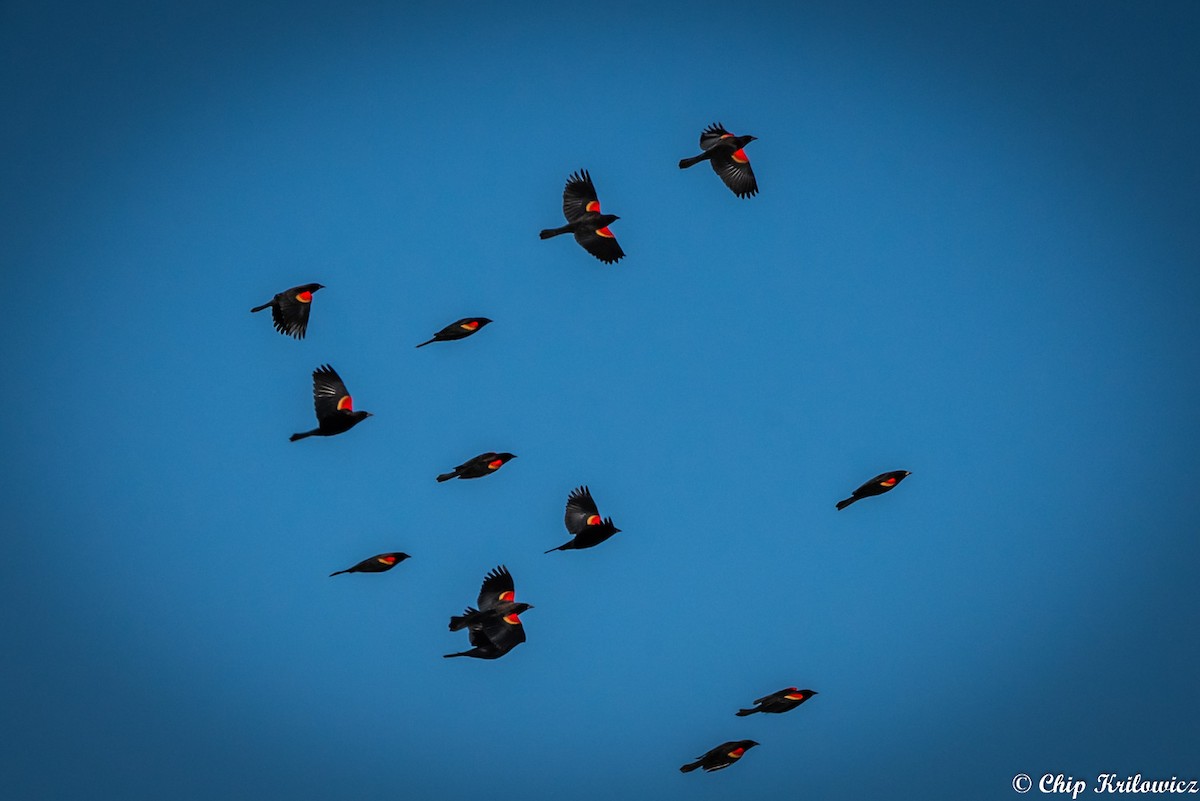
[
  {"x": 335, "y": 409},
  {"x": 782, "y": 701},
  {"x": 376, "y": 564},
  {"x": 720, "y": 757},
  {"x": 482, "y": 465},
  {"x": 289, "y": 309},
  {"x": 584, "y": 220},
  {"x": 494, "y": 628},
  {"x": 458, "y": 330},
  {"x": 724, "y": 151},
  {"x": 882, "y": 483},
  {"x": 583, "y": 521}
]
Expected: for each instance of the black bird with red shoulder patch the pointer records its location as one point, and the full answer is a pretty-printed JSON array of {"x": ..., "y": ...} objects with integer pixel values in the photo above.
[
  {"x": 290, "y": 308},
  {"x": 724, "y": 152},
  {"x": 334, "y": 406},
  {"x": 720, "y": 757},
  {"x": 884, "y": 482},
  {"x": 783, "y": 701},
  {"x": 380, "y": 563},
  {"x": 482, "y": 465},
  {"x": 584, "y": 522},
  {"x": 581, "y": 207},
  {"x": 494, "y": 628},
  {"x": 459, "y": 329}
]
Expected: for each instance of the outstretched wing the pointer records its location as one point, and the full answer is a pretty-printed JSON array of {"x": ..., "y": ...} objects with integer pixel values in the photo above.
[
  {"x": 601, "y": 243},
  {"x": 329, "y": 393},
  {"x": 290, "y": 310},
  {"x": 712, "y": 134},
  {"x": 497, "y": 586},
  {"x": 734, "y": 169},
  {"x": 579, "y": 196},
  {"x": 581, "y": 511},
  {"x": 505, "y": 633}
]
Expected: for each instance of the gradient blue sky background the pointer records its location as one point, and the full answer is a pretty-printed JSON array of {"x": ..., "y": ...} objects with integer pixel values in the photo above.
[{"x": 974, "y": 256}]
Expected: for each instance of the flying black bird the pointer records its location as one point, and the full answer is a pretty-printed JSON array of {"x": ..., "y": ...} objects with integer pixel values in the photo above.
[
  {"x": 584, "y": 523},
  {"x": 720, "y": 757},
  {"x": 582, "y": 210},
  {"x": 335, "y": 409},
  {"x": 876, "y": 486},
  {"x": 494, "y": 627},
  {"x": 482, "y": 465},
  {"x": 724, "y": 151},
  {"x": 290, "y": 309},
  {"x": 458, "y": 330},
  {"x": 376, "y": 564},
  {"x": 782, "y": 701}
]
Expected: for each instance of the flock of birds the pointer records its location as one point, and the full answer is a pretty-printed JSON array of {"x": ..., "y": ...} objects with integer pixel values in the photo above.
[{"x": 494, "y": 625}]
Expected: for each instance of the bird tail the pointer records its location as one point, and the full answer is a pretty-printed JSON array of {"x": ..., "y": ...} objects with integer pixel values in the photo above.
[
  {"x": 446, "y": 476},
  {"x": 549, "y": 232},
  {"x": 460, "y": 621},
  {"x": 423, "y": 344},
  {"x": 340, "y": 572},
  {"x": 260, "y": 308},
  {"x": 559, "y": 548},
  {"x": 741, "y": 713},
  {"x": 688, "y": 768},
  {"x": 295, "y": 437},
  {"x": 843, "y": 504},
  {"x": 685, "y": 163},
  {"x": 451, "y": 656}
]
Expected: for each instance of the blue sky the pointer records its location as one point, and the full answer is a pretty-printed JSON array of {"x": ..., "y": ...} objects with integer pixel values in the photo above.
[{"x": 974, "y": 256}]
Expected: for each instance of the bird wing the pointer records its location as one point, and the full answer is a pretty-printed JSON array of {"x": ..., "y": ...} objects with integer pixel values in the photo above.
[
  {"x": 497, "y": 586},
  {"x": 289, "y": 312},
  {"x": 772, "y": 697},
  {"x": 712, "y": 134},
  {"x": 505, "y": 633},
  {"x": 601, "y": 243},
  {"x": 734, "y": 169},
  {"x": 579, "y": 196},
  {"x": 478, "y": 461},
  {"x": 581, "y": 510},
  {"x": 329, "y": 393}
]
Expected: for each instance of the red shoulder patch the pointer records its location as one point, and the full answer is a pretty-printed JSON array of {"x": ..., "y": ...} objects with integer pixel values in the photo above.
[
  {"x": 495, "y": 464},
  {"x": 593, "y": 520},
  {"x": 593, "y": 205},
  {"x": 387, "y": 560},
  {"x": 471, "y": 326},
  {"x": 304, "y": 297},
  {"x": 740, "y": 156},
  {"x": 346, "y": 404},
  {"x": 507, "y": 595},
  {"x": 737, "y": 753},
  {"x": 512, "y": 620},
  {"x": 888, "y": 482},
  {"x": 605, "y": 232}
]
